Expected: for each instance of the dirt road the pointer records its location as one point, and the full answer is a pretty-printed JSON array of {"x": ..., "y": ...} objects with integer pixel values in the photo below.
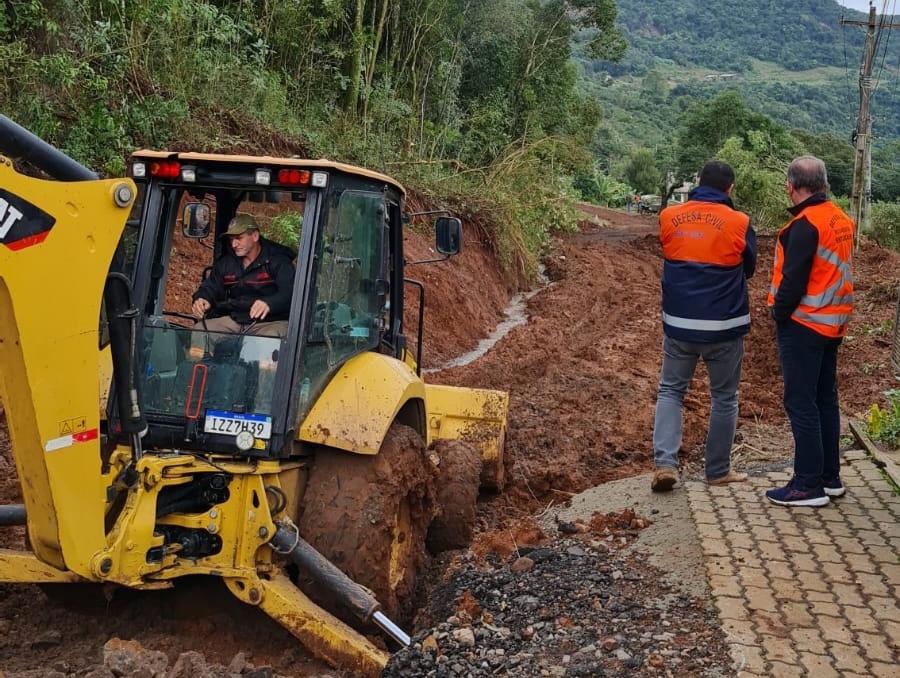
[{"x": 581, "y": 374}]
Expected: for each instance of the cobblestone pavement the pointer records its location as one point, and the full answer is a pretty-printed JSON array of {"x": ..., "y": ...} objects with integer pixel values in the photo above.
[{"x": 806, "y": 591}]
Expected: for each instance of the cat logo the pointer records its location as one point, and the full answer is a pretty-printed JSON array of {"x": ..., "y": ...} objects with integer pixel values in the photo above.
[{"x": 21, "y": 223}]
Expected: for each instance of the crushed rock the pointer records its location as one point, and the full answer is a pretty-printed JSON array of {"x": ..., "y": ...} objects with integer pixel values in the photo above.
[{"x": 584, "y": 606}]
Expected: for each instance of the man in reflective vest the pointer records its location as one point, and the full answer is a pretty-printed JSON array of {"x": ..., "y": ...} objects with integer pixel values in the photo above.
[
  {"x": 811, "y": 299},
  {"x": 709, "y": 250}
]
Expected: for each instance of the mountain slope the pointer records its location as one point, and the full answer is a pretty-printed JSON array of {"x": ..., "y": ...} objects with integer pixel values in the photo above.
[{"x": 795, "y": 62}]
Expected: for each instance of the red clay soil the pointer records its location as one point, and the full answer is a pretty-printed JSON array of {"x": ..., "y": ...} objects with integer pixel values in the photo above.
[{"x": 581, "y": 374}]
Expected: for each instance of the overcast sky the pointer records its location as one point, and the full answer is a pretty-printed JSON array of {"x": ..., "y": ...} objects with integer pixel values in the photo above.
[{"x": 863, "y": 5}]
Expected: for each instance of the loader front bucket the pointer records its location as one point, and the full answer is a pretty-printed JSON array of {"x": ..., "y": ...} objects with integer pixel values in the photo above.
[{"x": 476, "y": 416}]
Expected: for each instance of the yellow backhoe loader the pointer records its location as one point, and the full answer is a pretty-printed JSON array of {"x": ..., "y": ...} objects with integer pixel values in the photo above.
[{"x": 299, "y": 468}]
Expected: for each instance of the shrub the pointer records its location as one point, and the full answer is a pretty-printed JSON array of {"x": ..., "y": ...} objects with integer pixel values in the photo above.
[
  {"x": 885, "y": 224},
  {"x": 884, "y": 424}
]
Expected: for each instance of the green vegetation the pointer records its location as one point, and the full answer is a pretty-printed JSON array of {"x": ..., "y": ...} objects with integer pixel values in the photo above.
[
  {"x": 505, "y": 110},
  {"x": 779, "y": 67},
  {"x": 470, "y": 102},
  {"x": 883, "y": 424}
]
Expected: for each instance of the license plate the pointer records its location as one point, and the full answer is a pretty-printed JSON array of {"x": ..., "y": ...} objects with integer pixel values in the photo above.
[{"x": 231, "y": 423}]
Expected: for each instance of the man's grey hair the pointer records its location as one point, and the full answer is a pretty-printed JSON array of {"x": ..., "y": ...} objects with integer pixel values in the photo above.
[{"x": 808, "y": 172}]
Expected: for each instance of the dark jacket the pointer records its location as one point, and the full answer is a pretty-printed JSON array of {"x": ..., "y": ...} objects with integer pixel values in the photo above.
[
  {"x": 231, "y": 289},
  {"x": 800, "y": 242},
  {"x": 816, "y": 242},
  {"x": 709, "y": 250}
]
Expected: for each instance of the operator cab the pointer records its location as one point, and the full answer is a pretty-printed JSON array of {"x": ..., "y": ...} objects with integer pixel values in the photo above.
[{"x": 240, "y": 393}]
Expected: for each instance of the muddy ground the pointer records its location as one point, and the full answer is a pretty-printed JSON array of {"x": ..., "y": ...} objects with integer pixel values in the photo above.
[{"x": 581, "y": 373}]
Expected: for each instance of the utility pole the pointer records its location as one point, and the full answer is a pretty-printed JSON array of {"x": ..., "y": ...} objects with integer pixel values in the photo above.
[
  {"x": 862, "y": 165},
  {"x": 862, "y": 180}
]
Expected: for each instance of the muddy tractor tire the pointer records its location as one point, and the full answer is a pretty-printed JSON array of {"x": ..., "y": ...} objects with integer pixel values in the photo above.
[
  {"x": 369, "y": 515},
  {"x": 459, "y": 473}
]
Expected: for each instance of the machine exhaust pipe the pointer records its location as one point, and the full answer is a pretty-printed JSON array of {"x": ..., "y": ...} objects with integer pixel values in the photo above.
[{"x": 288, "y": 541}]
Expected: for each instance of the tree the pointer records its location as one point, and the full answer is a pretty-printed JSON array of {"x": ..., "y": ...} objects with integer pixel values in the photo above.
[
  {"x": 759, "y": 163},
  {"x": 837, "y": 154},
  {"x": 885, "y": 173},
  {"x": 517, "y": 70},
  {"x": 654, "y": 86},
  {"x": 642, "y": 172},
  {"x": 707, "y": 125}
]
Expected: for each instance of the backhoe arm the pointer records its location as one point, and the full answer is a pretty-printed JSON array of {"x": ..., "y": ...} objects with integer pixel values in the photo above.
[{"x": 57, "y": 239}]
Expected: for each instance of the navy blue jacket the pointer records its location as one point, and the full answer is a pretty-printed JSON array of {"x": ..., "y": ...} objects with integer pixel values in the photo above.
[{"x": 710, "y": 252}]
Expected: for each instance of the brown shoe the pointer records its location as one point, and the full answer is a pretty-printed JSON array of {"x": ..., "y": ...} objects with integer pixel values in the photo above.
[
  {"x": 730, "y": 477},
  {"x": 663, "y": 479}
]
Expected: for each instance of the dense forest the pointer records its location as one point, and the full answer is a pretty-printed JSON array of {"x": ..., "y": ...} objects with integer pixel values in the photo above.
[
  {"x": 510, "y": 110},
  {"x": 798, "y": 63}
]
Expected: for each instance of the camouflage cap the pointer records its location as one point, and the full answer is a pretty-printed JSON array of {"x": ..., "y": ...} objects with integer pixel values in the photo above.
[{"x": 241, "y": 224}]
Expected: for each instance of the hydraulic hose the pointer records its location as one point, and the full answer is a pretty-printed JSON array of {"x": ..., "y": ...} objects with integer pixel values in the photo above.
[
  {"x": 19, "y": 142},
  {"x": 122, "y": 318},
  {"x": 13, "y": 514},
  {"x": 289, "y": 542}
]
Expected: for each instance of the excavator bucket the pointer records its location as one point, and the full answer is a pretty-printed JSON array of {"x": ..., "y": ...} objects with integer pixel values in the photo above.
[{"x": 475, "y": 416}]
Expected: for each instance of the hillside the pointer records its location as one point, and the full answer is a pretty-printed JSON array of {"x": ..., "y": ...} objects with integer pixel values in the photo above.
[{"x": 794, "y": 62}]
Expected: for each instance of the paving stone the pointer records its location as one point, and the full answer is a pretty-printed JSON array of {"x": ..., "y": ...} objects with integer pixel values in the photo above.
[
  {"x": 834, "y": 629},
  {"x": 847, "y": 657},
  {"x": 860, "y": 618},
  {"x": 748, "y": 660},
  {"x": 804, "y": 562},
  {"x": 875, "y": 647},
  {"x": 782, "y": 670},
  {"x": 809, "y": 592},
  {"x": 885, "y": 609},
  {"x": 732, "y": 608},
  {"x": 818, "y": 665},
  {"x": 779, "y": 570},
  {"x": 836, "y": 573},
  {"x": 874, "y": 585},
  {"x": 740, "y": 632},
  {"x": 754, "y": 577},
  {"x": 879, "y": 670},
  {"x": 739, "y": 541},
  {"x": 760, "y": 599},
  {"x": 848, "y": 544},
  {"x": 797, "y": 615},
  {"x": 882, "y": 554},
  {"x": 847, "y": 594},
  {"x": 808, "y": 638}
]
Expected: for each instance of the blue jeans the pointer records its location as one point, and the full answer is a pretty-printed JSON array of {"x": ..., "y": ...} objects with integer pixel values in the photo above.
[
  {"x": 809, "y": 368},
  {"x": 723, "y": 363}
]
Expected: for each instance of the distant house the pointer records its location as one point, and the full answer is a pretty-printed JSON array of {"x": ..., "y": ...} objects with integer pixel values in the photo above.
[
  {"x": 720, "y": 76},
  {"x": 680, "y": 194}
]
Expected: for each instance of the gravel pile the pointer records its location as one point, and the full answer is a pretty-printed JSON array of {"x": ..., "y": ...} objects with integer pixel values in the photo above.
[{"x": 583, "y": 606}]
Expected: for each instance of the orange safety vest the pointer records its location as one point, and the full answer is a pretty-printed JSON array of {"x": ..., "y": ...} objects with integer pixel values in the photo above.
[
  {"x": 704, "y": 232},
  {"x": 828, "y": 302}
]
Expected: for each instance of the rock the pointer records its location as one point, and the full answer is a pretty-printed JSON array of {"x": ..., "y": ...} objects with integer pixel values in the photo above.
[
  {"x": 47, "y": 639},
  {"x": 578, "y": 610},
  {"x": 129, "y": 659},
  {"x": 188, "y": 665},
  {"x": 522, "y": 564}
]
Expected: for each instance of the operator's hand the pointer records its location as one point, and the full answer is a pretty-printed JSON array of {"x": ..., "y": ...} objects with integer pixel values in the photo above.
[
  {"x": 200, "y": 306},
  {"x": 259, "y": 310}
]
